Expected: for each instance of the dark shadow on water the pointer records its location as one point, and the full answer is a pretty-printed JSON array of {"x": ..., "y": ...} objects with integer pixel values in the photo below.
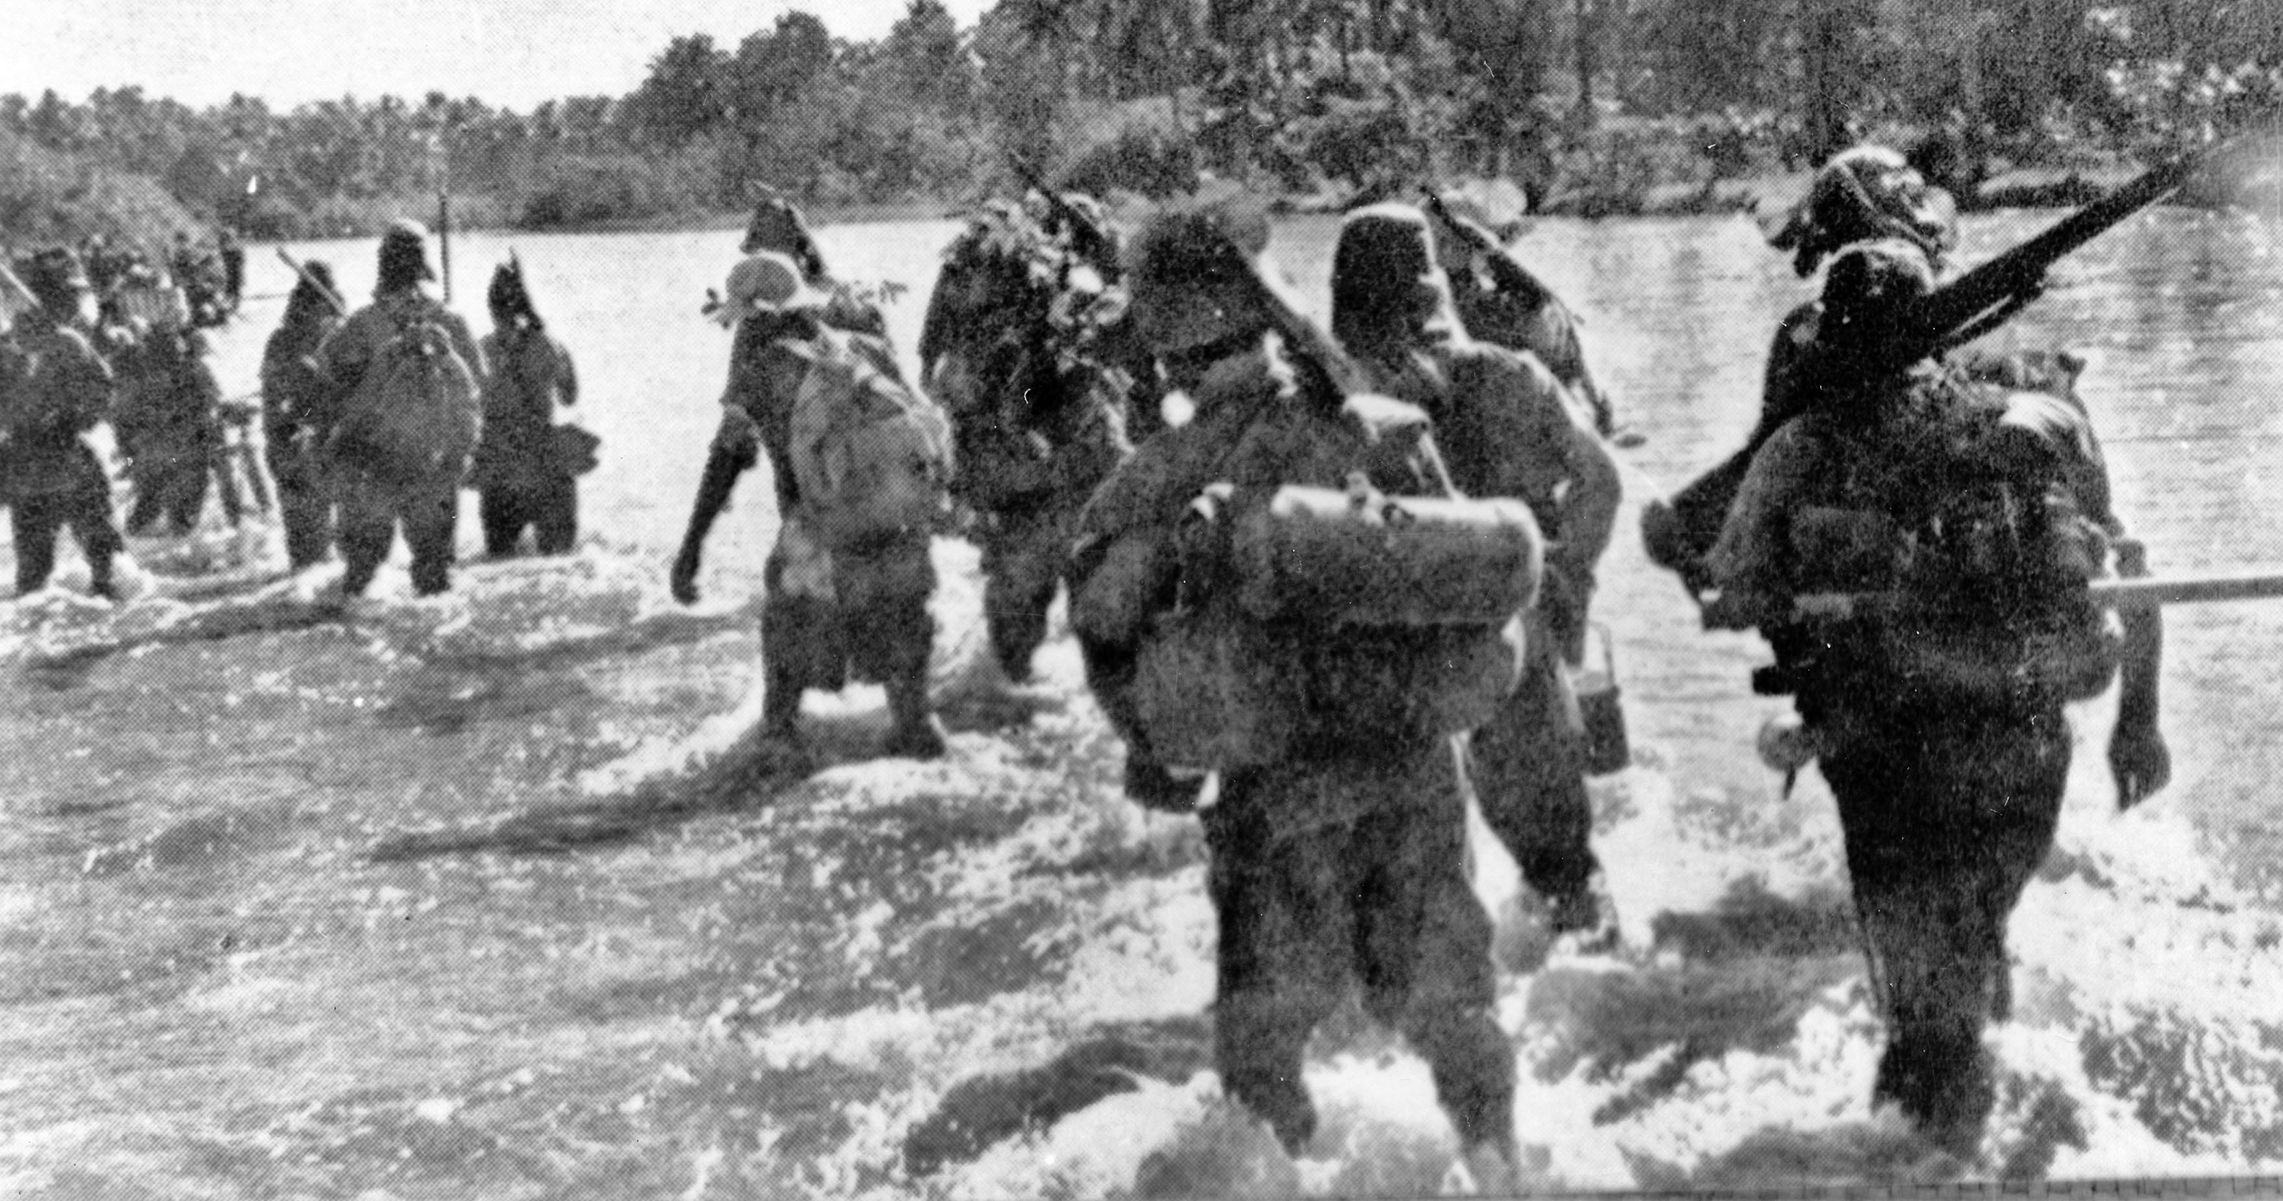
[
  {"x": 1750, "y": 969},
  {"x": 981, "y": 1111},
  {"x": 744, "y": 776}
]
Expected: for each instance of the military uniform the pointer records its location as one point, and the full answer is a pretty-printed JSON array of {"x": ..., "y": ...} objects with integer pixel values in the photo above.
[
  {"x": 1939, "y": 726},
  {"x": 58, "y": 389},
  {"x": 1038, "y": 421},
  {"x": 292, "y": 393},
  {"x": 518, "y": 481},
  {"x": 1499, "y": 301},
  {"x": 376, "y": 498},
  {"x": 1338, "y": 856},
  {"x": 1506, "y": 428},
  {"x": 169, "y": 423},
  {"x": 829, "y": 612}
]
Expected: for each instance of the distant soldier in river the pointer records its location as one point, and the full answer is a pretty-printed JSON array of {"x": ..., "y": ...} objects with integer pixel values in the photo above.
[
  {"x": 1010, "y": 349},
  {"x": 1507, "y": 428},
  {"x": 168, "y": 414},
  {"x": 293, "y": 388},
  {"x": 1501, "y": 302},
  {"x": 400, "y": 410},
  {"x": 1337, "y": 833},
  {"x": 521, "y": 474},
  {"x": 1979, "y": 515},
  {"x": 861, "y": 465},
  {"x": 54, "y": 390}
]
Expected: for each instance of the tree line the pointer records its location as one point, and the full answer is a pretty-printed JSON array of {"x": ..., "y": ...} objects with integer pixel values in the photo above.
[{"x": 1592, "y": 105}]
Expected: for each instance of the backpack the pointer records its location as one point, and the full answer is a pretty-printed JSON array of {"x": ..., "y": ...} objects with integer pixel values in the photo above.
[
  {"x": 870, "y": 455},
  {"x": 1995, "y": 515},
  {"x": 416, "y": 412}
]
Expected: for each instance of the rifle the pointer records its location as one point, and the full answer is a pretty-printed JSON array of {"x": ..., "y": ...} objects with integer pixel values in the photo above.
[
  {"x": 339, "y": 308},
  {"x": 1091, "y": 241},
  {"x": 1681, "y": 531},
  {"x": 1510, "y": 276}
]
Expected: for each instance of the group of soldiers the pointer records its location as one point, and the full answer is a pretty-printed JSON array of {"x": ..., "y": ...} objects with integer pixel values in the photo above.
[
  {"x": 1329, "y": 583},
  {"x": 130, "y": 351}
]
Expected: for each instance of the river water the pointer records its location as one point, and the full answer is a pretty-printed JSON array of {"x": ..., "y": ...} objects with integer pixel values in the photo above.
[
  {"x": 2145, "y": 961},
  {"x": 2179, "y": 311}
]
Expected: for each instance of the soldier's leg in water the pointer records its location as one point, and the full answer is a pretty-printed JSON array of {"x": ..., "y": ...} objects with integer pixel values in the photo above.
[
  {"x": 1528, "y": 769},
  {"x": 2023, "y": 781},
  {"x": 1022, "y": 563},
  {"x": 801, "y": 640},
  {"x": 34, "y": 522},
  {"x": 556, "y": 515},
  {"x": 1942, "y": 830},
  {"x": 367, "y": 527},
  {"x": 1424, "y": 948},
  {"x": 431, "y": 516},
  {"x": 305, "y": 506},
  {"x": 89, "y": 515},
  {"x": 185, "y": 495},
  {"x": 883, "y": 604},
  {"x": 1284, "y": 960},
  {"x": 149, "y": 504},
  {"x": 501, "y": 516}
]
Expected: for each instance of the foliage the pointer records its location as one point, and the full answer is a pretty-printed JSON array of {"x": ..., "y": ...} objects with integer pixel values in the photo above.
[{"x": 1143, "y": 94}]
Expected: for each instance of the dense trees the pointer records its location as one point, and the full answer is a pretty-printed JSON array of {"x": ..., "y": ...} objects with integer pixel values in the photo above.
[{"x": 1585, "y": 102}]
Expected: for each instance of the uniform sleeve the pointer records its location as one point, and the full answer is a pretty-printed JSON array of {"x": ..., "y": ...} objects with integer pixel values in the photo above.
[{"x": 1752, "y": 561}]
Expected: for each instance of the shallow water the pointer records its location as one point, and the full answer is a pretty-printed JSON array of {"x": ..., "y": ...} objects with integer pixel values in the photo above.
[{"x": 478, "y": 896}]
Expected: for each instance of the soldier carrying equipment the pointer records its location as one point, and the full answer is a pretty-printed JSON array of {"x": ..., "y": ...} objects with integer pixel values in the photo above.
[{"x": 1680, "y": 531}]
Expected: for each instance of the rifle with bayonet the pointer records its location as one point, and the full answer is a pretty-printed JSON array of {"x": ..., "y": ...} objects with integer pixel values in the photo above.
[
  {"x": 1091, "y": 242},
  {"x": 1679, "y": 532}
]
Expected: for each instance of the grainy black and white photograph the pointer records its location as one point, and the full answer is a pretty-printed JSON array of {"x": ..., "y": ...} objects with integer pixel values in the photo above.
[{"x": 926, "y": 600}]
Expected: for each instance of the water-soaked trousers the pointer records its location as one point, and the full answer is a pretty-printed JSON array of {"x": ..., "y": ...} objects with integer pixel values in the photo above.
[
  {"x": 1946, "y": 816},
  {"x": 1352, "y": 871},
  {"x": 304, "y": 500},
  {"x": 828, "y": 615},
  {"x": 372, "y": 509},
  {"x": 1527, "y": 765},
  {"x": 548, "y": 506},
  {"x": 81, "y": 501},
  {"x": 1024, "y": 552}
]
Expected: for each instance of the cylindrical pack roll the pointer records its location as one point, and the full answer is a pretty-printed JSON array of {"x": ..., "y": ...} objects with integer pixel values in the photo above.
[{"x": 1358, "y": 557}]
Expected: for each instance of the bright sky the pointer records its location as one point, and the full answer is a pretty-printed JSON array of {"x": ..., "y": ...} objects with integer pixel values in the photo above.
[{"x": 505, "y": 52}]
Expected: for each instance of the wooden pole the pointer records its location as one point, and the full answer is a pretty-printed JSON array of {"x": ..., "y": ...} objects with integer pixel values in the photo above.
[{"x": 2145, "y": 593}]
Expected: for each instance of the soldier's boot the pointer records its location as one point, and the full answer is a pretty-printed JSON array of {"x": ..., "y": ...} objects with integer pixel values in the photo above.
[
  {"x": 783, "y": 749},
  {"x": 917, "y": 733}
]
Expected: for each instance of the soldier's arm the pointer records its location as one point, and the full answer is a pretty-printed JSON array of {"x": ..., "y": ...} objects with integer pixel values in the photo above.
[
  {"x": 567, "y": 372},
  {"x": 1750, "y": 564}
]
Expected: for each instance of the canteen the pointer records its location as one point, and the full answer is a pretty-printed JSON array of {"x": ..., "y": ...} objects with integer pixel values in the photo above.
[{"x": 1601, "y": 711}]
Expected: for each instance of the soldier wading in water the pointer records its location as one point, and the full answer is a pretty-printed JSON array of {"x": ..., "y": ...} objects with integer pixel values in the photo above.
[
  {"x": 1325, "y": 700},
  {"x": 1979, "y": 515},
  {"x": 849, "y": 578},
  {"x": 1505, "y": 428}
]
